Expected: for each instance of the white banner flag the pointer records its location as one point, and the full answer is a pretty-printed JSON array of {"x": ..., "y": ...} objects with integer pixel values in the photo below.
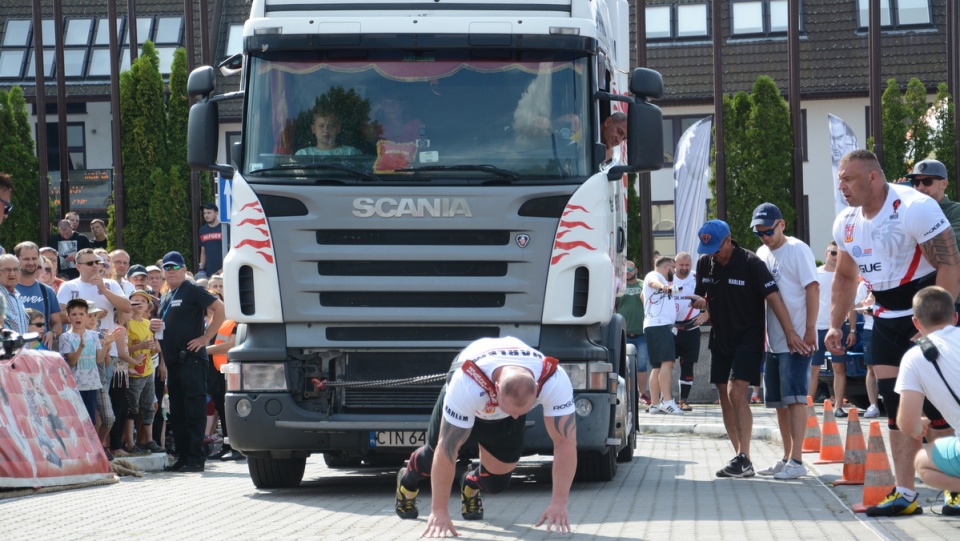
[
  {"x": 842, "y": 141},
  {"x": 691, "y": 173}
]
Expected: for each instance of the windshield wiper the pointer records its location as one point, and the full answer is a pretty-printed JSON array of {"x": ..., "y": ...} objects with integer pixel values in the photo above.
[
  {"x": 322, "y": 167},
  {"x": 485, "y": 168}
]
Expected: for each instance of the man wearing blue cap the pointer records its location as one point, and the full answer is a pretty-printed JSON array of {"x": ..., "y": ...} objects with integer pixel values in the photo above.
[
  {"x": 183, "y": 342},
  {"x": 732, "y": 284}
]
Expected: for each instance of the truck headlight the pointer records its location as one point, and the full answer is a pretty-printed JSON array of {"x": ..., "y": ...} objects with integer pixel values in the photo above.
[
  {"x": 577, "y": 372},
  {"x": 263, "y": 376},
  {"x": 592, "y": 376}
]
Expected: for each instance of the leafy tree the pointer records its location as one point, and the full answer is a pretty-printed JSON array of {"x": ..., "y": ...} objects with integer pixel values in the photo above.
[
  {"x": 18, "y": 160},
  {"x": 944, "y": 138},
  {"x": 894, "y": 127},
  {"x": 758, "y": 150},
  {"x": 144, "y": 142},
  {"x": 920, "y": 142}
]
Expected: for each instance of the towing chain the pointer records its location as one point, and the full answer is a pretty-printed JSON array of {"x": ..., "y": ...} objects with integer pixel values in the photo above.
[{"x": 387, "y": 382}]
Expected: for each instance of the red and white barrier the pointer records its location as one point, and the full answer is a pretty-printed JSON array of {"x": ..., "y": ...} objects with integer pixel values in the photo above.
[{"x": 46, "y": 436}]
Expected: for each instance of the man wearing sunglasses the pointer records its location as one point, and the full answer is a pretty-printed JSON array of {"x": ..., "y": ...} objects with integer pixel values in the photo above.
[
  {"x": 900, "y": 242},
  {"x": 36, "y": 294},
  {"x": 929, "y": 177},
  {"x": 183, "y": 345},
  {"x": 91, "y": 286},
  {"x": 15, "y": 318},
  {"x": 787, "y": 370}
]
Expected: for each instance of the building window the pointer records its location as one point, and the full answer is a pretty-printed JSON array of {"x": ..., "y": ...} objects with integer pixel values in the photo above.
[
  {"x": 235, "y": 40},
  {"x": 230, "y": 138},
  {"x": 673, "y": 128},
  {"x": 17, "y": 33},
  {"x": 11, "y": 63},
  {"x": 85, "y": 41},
  {"x": 760, "y": 17},
  {"x": 897, "y": 13},
  {"x": 169, "y": 30},
  {"x": 662, "y": 223},
  {"x": 77, "y": 146},
  {"x": 78, "y": 32},
  {"x": 687, "y": 21}
]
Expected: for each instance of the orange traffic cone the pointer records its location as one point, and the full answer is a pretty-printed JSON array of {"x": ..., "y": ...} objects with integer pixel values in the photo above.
[
  {"x": 811, "y": 439},
  {"x": 831, "y": 450},
  {"x": 878, "y": 479},
  {"x": 854, "y": 459}
]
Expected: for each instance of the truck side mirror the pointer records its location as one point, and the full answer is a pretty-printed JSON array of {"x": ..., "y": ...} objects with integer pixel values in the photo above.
[
  {"x": 646, "y": 83},
  {"x": 201, "y": 82},
  {"x": 202, "y": 135}
]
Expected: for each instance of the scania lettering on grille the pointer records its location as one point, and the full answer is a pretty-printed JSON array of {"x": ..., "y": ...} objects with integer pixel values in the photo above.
[{"x": 387, "y": 207}]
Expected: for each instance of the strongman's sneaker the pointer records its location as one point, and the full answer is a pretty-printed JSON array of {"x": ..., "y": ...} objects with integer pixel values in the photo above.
[
  {"x": 471, "y": 506},
  {"x": 406, "y": 500},
  {"x": 895, "y": 504},
  {"x": 951, "y": 503}
]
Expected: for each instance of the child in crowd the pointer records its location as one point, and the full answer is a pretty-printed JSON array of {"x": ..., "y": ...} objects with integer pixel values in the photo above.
[
  {"x": 37, "y": 325},
  {"x": 141, "y": 392},
  {"x": 81, "y": 348},
  {"x": 121, "y": 439}
]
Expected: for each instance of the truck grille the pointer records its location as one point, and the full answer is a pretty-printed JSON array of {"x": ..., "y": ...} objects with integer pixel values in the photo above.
[{"x": 374, "y": 366}]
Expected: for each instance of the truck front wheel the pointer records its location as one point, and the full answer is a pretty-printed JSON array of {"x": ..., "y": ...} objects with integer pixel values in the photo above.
[
  {"x": 595, "y": 466},
  {"x": 276, "y": 472}
]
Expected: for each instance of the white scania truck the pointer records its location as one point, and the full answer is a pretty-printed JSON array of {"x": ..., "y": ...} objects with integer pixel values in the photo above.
[{"x": 412, "y": 176}]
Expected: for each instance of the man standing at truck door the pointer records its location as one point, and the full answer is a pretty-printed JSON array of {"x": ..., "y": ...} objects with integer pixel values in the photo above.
[{"x": 486, "y": 402}]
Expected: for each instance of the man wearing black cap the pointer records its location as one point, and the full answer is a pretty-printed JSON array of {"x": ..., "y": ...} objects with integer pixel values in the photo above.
[
  {"x": 732, "y": 284},
  {"x": 929, "y": 177},
  {"x": 211, "y": 236},
  {"x": 183, "y": 344}
]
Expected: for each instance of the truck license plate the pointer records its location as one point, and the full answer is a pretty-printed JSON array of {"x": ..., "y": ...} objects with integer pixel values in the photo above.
[{"x": 398, "y": 438}]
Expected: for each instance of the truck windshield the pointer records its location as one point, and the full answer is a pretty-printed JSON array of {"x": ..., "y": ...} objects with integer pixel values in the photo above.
[{"x": 448, "y": 116}]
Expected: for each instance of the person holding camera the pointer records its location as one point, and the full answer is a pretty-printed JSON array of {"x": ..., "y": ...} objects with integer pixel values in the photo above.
[{"x": 183, "y": 337}]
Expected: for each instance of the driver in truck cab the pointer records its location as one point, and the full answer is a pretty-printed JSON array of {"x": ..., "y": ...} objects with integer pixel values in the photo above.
[{"x": 494, "y": 383}]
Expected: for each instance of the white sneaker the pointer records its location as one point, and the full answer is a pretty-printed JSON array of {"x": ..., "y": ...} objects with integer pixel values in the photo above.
[
  {"x": 791, "y": 471},
  {"x": 654, "y": 408},
  {"x": 670, "y": 408},
  {"x": 872, "y": 411},
  {"x": 775, "y": 469}
]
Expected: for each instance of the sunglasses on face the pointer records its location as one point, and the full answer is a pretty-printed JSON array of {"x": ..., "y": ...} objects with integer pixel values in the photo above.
[
  {"x": 927, "y": 181},
  {"x": 631, "y": 269},
  {"x": 172, "y": 267},
  {"x": 833, "y": 253},
  {"x": 91, "y": 263},
  {"x": 767, "y": 233},
  {"x": 7, "y": 206},
  {"x": 38, "y": 325}
]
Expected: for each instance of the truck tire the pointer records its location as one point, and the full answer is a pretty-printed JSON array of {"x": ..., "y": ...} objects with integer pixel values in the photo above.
[
  {"x": 596, "y": 466},
  {"x": 276, "y": 472},
  {"x": 626, "y": 454},
  {"x": 336, "y": 459}
]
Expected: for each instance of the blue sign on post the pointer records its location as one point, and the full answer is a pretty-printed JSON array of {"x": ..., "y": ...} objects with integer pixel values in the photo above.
[{"x": 225, "y": 191}]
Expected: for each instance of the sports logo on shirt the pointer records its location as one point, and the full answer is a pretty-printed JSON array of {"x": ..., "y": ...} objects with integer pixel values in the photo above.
[
  {"x": 848, "y": 233},
  {"x": 896, "y": 205}
]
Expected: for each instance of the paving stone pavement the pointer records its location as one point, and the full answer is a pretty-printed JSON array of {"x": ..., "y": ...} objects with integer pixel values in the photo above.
[{"x": 668, "y": 492}]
